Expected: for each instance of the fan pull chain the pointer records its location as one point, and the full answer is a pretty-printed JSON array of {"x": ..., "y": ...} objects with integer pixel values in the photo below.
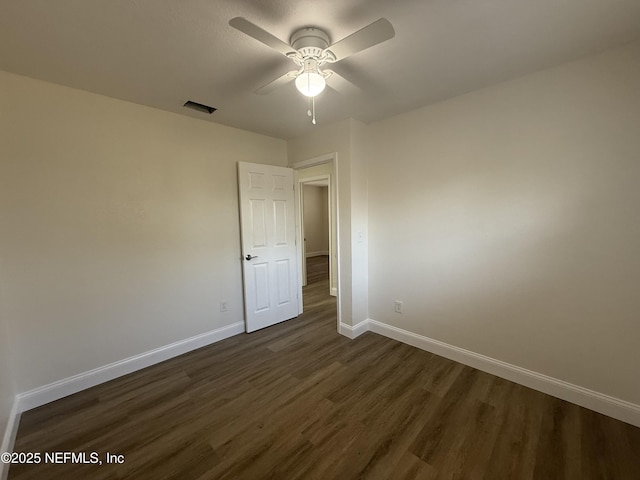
[{"x": 313, "y": 109}]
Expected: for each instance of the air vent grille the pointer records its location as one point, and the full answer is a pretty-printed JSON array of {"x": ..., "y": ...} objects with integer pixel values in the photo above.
[{"x": 199, "y": 107}]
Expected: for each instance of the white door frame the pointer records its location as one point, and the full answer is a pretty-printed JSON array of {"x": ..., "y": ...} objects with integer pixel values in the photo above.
[{"x": 334, "y": 196}]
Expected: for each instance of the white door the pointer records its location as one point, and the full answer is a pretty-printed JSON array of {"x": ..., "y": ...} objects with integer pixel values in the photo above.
[{"x": 267, "y": 218}]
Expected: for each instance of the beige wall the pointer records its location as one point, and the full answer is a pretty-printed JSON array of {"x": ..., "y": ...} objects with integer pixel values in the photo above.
[
  {"x": 360, "y": 158},
  {"x": 316, "y": 220},
  {"x": 507, "y": 220},
  {"x": 120, "y": 227}
]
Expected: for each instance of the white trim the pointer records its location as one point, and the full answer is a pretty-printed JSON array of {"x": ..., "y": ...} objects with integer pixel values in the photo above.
[
  {"x": 613, "y": 407},
  {"x": 317, "y": 254},
  {"x": 9, "y": 438},
  {"x": 333, "y": 292},
  {"x": 355, "y": 331},
  {"x": 300, "y": 245},
  {"x": 338, "y": 252},
  {"x": 311, "y": 162},
  {"x": 68, "y": 386}
]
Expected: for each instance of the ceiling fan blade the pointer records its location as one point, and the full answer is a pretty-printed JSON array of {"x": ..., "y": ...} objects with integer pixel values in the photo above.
[
  {"x": 373, "y": 34},
  {"x": 277, "y": 83},
  {"x": 254, "y": 31},
  {"x": 341, "y": 84}
]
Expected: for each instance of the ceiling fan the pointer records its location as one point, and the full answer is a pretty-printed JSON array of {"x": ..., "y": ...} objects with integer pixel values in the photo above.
[{"x": 310, "y": 48}]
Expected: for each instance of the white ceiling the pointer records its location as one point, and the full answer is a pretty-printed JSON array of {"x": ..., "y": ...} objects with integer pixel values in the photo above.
[{"x": 161, "y": 52}]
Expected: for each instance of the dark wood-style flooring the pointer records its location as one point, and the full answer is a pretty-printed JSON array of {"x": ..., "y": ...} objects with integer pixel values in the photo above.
[
  {"x": 299, "y": 401},
  {"x": 318, "y": 269}
]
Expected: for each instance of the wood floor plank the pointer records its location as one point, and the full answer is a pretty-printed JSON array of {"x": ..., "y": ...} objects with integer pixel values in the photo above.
[
  {"x": 559, "y": 442},
  {"x": 514, "y": 452},
  {"x": 411, "y": 467},
  {"x": 299, "y": 401}
]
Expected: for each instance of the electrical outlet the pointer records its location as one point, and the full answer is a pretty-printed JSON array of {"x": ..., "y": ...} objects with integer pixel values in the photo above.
[
  {"x": 224, "y": 306},
  {"x": 397, "y": 306}
]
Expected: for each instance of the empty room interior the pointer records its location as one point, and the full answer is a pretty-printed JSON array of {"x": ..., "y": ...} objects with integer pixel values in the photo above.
[{"x": 317, "y": 240}]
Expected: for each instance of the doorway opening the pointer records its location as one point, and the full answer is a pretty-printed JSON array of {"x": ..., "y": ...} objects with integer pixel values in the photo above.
[
  {"x": 318, "y": 252},
  {"x": 314, "y": 200}
]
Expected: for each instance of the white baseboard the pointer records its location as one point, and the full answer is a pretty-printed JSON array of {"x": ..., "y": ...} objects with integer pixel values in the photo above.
[
  {"x": 355, "y": 331},
  {"x": 68, "y": 386},
  {"x": 317, "y": 254},
  {"x": 9, "y": 436},
  {"x": 613, "y": 407}
]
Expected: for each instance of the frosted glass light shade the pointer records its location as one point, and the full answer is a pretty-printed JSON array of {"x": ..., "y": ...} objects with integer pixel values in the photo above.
[{"x": 310, "y": 84}]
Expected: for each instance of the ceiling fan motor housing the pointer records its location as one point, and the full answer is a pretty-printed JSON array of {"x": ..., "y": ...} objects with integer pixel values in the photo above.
[{"x": 310, "y": 42}]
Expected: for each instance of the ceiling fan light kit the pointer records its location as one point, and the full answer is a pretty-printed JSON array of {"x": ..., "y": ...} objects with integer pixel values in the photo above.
[
  {"x": 310, "y": 48},
  {"x": 310, "y": 82}
]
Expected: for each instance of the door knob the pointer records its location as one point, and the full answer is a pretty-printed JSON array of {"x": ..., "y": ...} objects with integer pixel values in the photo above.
[{"x": 250, "y": 257}]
